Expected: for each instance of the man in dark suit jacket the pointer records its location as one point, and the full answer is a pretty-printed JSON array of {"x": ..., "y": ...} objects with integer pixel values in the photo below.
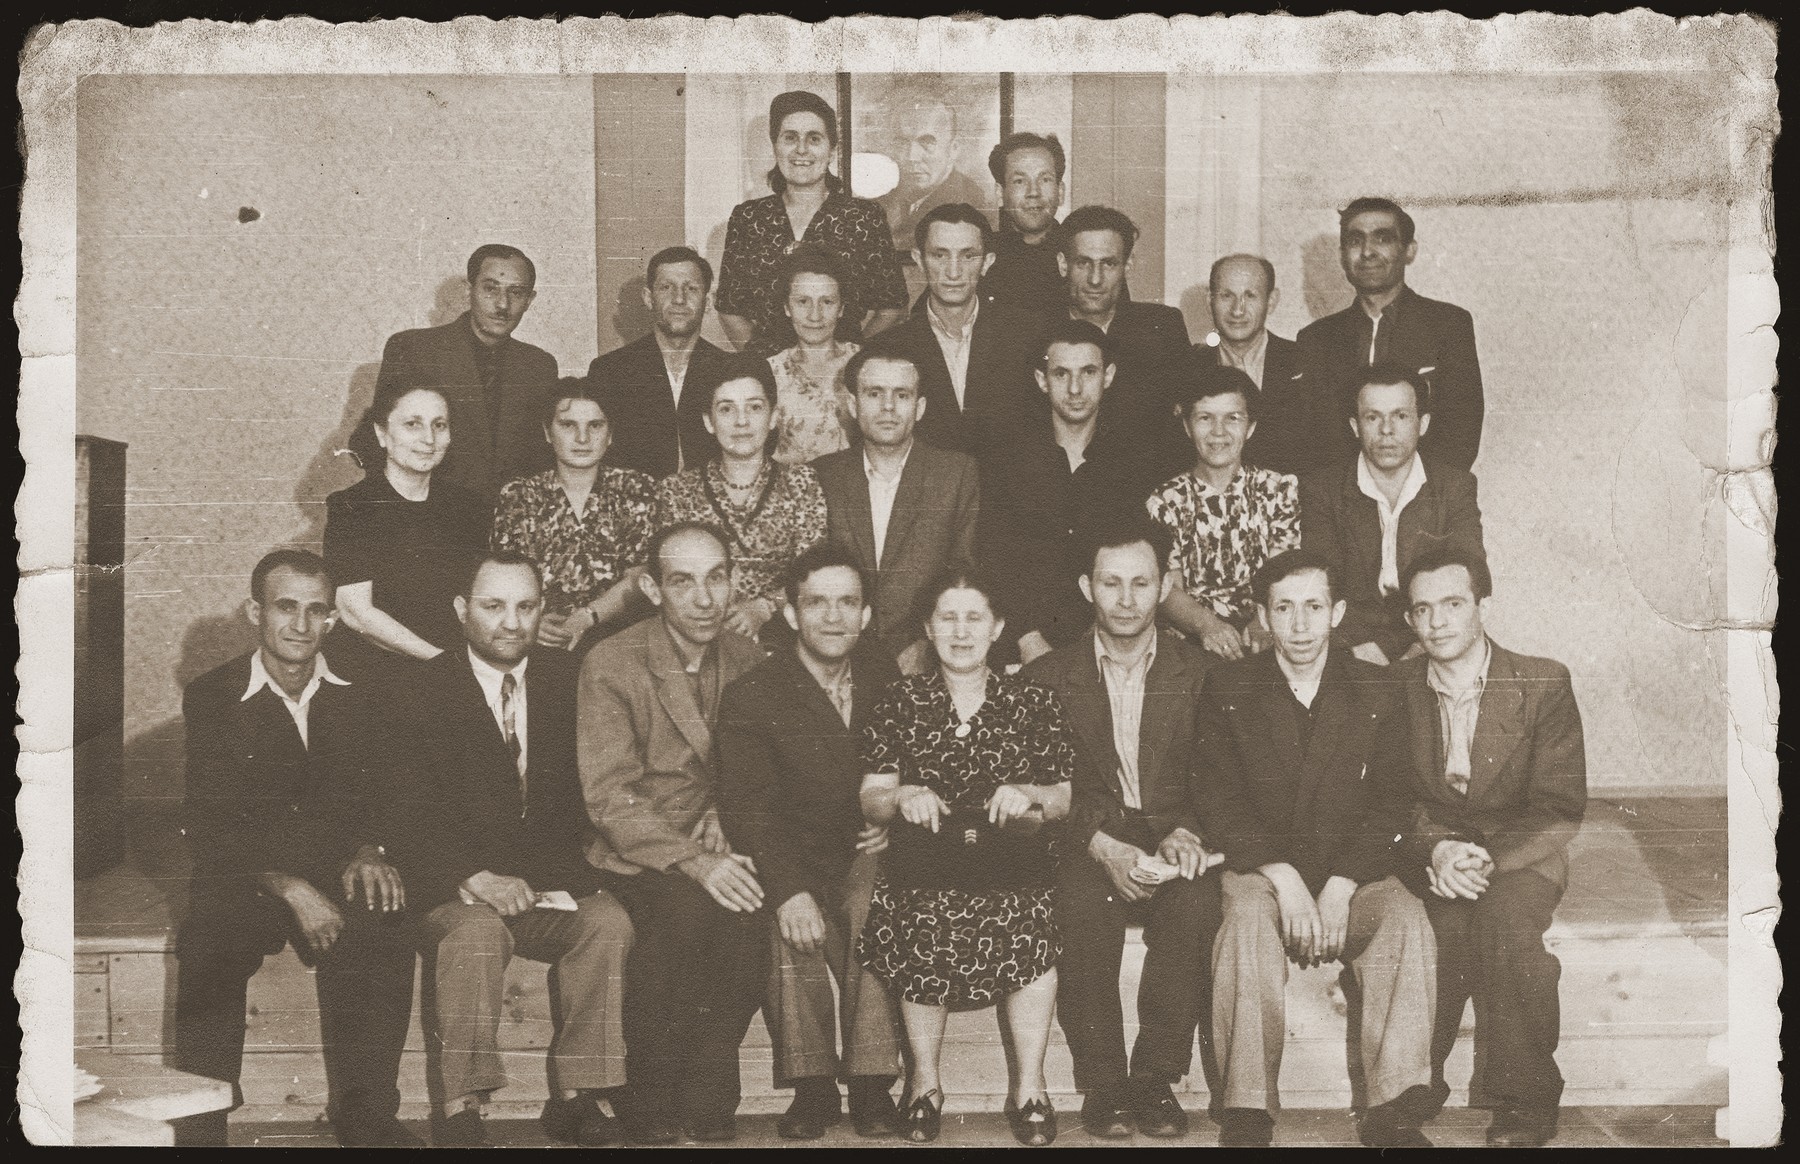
[
  {"x": 1129, "y": 695},
  {"x": 500, "y": 842},
  {"x": 658, "y": 424},
  {"x": 1308, "y": 789},
  {"x": 1500, "y": 786},
  {"x": 649, "y": 702},
  {"x": 974, "y": 358},
  {"x": 495, "y": 384},
  {"x": 1377, "y": 513},
  {"x": 1241, "y": 292},
  {"x": 282, "y": 762},
  {"x": 789, "y": 770},
  {"x": 1149, "y": 340},
  {"x": 906, "y": 511},
  {"x": 1390, "y": 323}
]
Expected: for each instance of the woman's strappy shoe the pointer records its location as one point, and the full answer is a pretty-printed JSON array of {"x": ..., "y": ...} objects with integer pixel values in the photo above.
[
  {"x": 1034, "y": 1124},
  {"x": 919, "y": 1123}
]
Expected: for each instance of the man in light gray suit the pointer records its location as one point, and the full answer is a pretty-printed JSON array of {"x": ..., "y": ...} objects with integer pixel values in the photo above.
[{"x": 905, "y": 510}]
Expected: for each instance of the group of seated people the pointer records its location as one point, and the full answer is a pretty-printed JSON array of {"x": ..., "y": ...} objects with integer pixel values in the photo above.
[{"x": 918, "y": 655}]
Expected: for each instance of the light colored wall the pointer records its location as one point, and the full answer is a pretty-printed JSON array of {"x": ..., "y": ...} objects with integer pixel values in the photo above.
[
  {"x": 234, "y": 357},
  {"x": 1582, "y": 220}
]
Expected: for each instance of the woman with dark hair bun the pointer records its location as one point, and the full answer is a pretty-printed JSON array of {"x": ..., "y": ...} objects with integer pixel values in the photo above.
[
  {"x": 965, "y": 767},
  {"x": 399, "y": 542},
  {"x": 809, "y": 205}
]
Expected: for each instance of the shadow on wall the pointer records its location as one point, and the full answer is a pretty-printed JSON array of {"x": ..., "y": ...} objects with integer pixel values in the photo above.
[
  {"x": 1322, "y": 277},
  {"x": 631, "y": 319},
  {"x": 1196, "y": 308}
]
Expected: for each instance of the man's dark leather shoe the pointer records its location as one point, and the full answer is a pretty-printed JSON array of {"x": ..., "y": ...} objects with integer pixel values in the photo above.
[
  {"x": 376, "y": 1133},
  {"x": 872, "y": 1108},
  {"x": 1246, "y": 1127},
  {"x": 579, "y": 1121},
  {"x": 1513, "y": 1128},
  {"x": 462, "y": 1130},
  {"x": 1158, "y": 1112},
  {"x": 1105, "y": 1115},
  {"x": 713, "y": 1129},
  {"x": 1395, "y": 1124},
  {"x": 816, "y": 1107}
]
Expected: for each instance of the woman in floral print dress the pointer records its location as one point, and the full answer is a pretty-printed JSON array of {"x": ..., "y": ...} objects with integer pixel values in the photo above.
[
  {"x": 584, "y": 523},
  {"x": 772, "y": 512},
  {"x": 966, "y": 766},
  {"x": 813, "y": 409}
]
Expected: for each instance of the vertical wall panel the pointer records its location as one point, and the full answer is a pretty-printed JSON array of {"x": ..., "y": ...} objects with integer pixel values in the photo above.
[
  {"x": 1120, "y": 154},
  {"x": 640, "y": 125}
]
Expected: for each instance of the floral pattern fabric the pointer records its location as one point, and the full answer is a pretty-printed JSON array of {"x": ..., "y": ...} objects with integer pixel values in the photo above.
[
  {"x": 783, "y": 518},
  {"x": 1221, "y": 539},
  {"x": 814, "y": 412},
  {"x": 758, "y": 239},
  {"x": 581, "y": 555}
]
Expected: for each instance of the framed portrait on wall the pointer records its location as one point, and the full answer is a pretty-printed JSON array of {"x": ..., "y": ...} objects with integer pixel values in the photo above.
[{"x": 919, "y": 140}]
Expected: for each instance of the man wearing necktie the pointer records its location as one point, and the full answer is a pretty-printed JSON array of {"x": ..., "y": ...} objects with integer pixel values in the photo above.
[
  {"x": 789, "y": 770},
  {"x": 490, "y": 731},
  {"x": 1500, "y": 789},
  {"x": 1388, "y": 323}
]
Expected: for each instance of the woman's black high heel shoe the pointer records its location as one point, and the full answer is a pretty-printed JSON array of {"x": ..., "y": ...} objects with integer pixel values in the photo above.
[
  {"x": 1034, "y": 1124},
  {"x": 919, "y": 1123}
]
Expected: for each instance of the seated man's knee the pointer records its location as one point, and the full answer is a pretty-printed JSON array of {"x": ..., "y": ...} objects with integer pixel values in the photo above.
[
  {"x": 1248, "y": 898},
  {"x": 601, "y": 918},
  {"x": 472, "y": 929}
]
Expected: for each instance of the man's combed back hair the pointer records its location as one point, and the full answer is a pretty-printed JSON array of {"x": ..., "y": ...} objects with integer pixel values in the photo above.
[
  {"x": 500, "y": 558},
  {"x": 824, "y": 556},
  {"x": 663, "y": 536},
  {"x": 1076, "y": 331},
  {"x": 853, "y": 369},
  {"x": 1120, "y": 529},
  {"x": 303, "y": 562},
  {"x": 500, "y": 251},
  {"x": 1387, "y": 374},
  {"x": 1288, "y": 563},
  {"x": 1366, "y": 205},
  {"x": 1012, "y": 143},
  {"x": 669, "y": 256},
  {"x": 960, "y": 213},
  {"x": 1089, "y": 218},
  {"x": 1443, "y": 556}
]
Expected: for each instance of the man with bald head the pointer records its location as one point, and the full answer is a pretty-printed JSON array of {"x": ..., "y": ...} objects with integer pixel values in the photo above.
[
  {"x": 1241, "y": 292},
  {"x": 926, "y": 152}
]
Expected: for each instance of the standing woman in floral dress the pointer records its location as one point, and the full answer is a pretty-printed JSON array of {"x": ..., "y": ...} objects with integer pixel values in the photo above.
[{"x": 809, "y": 205}]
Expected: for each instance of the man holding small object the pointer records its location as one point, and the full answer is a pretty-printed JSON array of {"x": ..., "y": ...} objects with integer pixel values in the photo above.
[
  {"x": 1501, "y": 785},
  {"x": 1129, "y": 696},
  {"x": 491, "y": 730},
  {"x": 1309, "y": 788}
]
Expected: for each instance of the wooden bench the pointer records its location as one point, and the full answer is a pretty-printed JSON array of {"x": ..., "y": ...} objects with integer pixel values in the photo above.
[{"x": 1641, "y": 936}]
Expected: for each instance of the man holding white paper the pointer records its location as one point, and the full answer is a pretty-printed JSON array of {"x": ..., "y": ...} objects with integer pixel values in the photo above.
[
  {"x": 1309, "y": 785},
  {"x": 1129, "y": 696},
  {"x": 490, "y": 731}
]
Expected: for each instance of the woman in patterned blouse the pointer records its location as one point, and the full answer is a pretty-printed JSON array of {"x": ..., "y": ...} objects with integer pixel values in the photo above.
[
  {"x": 585, "y": 524},
  {"x": 772, "y": 512},
  {"x": 1226, "y": 518},
  {"x": 814, "y": 413},
  {"x": 965, "y": 765},
  {"x": 809, "y": 205}
]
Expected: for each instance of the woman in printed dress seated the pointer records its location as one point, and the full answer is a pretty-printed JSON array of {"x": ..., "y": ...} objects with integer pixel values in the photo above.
[{"x": 969, "y": 766}]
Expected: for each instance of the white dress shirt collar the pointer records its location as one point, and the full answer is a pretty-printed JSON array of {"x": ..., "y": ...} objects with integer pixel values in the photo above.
[
  {"x": 296, "y": 708},
  {"x": 882, "y": 491},
  {"x": 1390, "y": 514}
]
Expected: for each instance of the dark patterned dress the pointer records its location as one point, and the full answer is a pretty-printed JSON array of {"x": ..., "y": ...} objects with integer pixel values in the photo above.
[
  {"x": 581, "y": 555},
  {"x": 783, "y": 518},
  {"x": 1222, "y": 539},
  {"x": 758, "y": 239},
  {"x": 955, "y": 923}
]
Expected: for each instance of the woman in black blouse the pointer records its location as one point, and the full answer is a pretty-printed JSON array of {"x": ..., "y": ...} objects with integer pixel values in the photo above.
[
  {"x": 809, "y": 205},
  {"x": 400, "y": 545},
  {"x": 968, "y": 765}
]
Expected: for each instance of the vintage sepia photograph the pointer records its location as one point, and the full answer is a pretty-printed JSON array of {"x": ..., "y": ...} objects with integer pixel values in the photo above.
[{"x": 1158, "y": 582}]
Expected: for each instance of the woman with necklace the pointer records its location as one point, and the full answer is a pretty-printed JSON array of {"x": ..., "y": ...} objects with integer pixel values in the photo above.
[
  {"x": 585, "y": 523},
  {"x": 399, "y": 543},
  {"x": 809, "y": 205},
  {"x": 965, "y": 768},
  {"x": 772, "y": 512},
  {"x": 814, "y": 413}
]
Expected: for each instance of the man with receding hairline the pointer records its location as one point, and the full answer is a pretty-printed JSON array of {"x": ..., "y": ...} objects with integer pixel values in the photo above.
[
  {"x": 1241, "y": 292},
  {"x": 926, "y": 153},
  {"x": 493, "y": 383}
]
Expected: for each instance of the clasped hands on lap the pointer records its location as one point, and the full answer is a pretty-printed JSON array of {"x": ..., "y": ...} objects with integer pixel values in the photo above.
[
  {"x": 318, "y": 917},
  {"x": 1313, "y": 930},
  {"x": 1180, "y": 848},
  {"x": 1460, "y": 869}
]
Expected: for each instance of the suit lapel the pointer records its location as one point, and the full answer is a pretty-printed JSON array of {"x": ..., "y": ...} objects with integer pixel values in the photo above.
[
  {"x": 859, "y": 511},
  {"x": 908, "y": 499},
  {"x": 676, "y": 692},
  {"x": 1165, "y": 703},
  {"x": 1499, "y": 726},
  {"x": 1278, "y": 714},
  {"x": 1421, "y": 703},
  {"x": 1091, "y": 710},
  {"x": 1331, "y": 717},
  {"x": 486, "y": 729}
]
